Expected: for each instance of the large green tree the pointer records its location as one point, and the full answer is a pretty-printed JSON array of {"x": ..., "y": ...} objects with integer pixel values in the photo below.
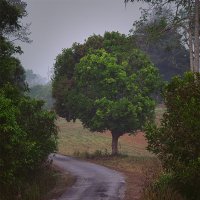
[{"x": 109, "y": 94}]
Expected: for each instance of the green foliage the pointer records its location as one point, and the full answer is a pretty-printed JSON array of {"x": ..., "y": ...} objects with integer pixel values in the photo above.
[
  {"x": 28, "y": 135},
  {"x": 108, "y": 98},
  {"x": 12, "y": 143},
  {"x": 63, "y": 80},
  {"x": 40, "y": 128},
  {"x": 9, "y": 21},
  {"x": 176, "y": 142},
  {"x": 12, "y": 72}
]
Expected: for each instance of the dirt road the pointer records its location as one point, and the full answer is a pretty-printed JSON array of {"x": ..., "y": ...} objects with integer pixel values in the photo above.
[{"x": 94, "y": 182}]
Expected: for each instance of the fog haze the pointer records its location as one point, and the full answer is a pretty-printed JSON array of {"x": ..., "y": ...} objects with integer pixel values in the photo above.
[{"x": 56, "y": 24}]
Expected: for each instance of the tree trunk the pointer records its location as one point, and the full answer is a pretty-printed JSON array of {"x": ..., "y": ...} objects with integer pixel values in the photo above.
[
  {"x": 115, "y": 137},
  {"x": 191, "y": 49},
  {"x": 196, "y": 37},
  {"x": 190, "y": 32}
]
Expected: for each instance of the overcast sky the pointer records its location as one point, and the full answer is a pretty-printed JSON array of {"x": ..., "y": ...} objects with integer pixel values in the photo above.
[{"x": 56, "y": 24}]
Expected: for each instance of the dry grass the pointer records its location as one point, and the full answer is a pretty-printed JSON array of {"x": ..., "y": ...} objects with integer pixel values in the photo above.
[
  {"x": 137, "y": 171},
  {"x": 165, "y": 194},
  {"x": 74, "y": 138},
  {"x": 62, "y": 181}
]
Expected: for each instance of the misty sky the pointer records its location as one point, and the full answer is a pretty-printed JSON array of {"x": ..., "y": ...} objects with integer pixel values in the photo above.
[{"x": 56, "y": 24}]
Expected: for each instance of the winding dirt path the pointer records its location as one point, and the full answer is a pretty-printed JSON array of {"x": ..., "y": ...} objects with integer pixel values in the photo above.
[{"x": 94, "y": 182}]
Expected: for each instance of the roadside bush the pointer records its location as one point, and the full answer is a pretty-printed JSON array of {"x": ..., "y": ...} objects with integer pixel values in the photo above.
[
  {"x": 28, "y": 134},
  {"x": 40, "y": 128},
  {"x": 96, "y": 154},
  {"x": 176, "y": 141},
  {"x": 167, "y": 193},
  {"x": 13, "y": 147}
]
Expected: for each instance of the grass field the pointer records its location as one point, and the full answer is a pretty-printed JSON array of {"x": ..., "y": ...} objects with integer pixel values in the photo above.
[{"x": 73, "y": 138}]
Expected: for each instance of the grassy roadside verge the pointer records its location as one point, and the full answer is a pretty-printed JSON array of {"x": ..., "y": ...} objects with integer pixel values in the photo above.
[
  {"x": 49, "y": 183},
  {"x": 137, "y": 171},
  {"x": 61, "y": 182}
]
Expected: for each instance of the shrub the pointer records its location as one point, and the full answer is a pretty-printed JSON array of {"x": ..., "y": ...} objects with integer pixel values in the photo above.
[
  {"x": 28, "y": 134},
  {"x": 13, "y": 146},
  {"x": 40, "y": 128},
  {"x": 95, "y": 155},
  {"x": 167, "y": 193},
  {"x": 176, "y": 141}
]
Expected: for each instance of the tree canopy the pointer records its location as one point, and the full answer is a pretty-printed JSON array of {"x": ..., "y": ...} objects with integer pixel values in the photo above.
[
  {"x": 184, "y": 17},
  {"x": 166, "y": 49},
  {"x": 107, "y": 89},
  {"x": 113, "y": 42}
]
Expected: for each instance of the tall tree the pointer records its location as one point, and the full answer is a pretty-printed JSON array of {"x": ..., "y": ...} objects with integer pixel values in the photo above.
[
  {"x": 11, "y": 70},
  {"x": 196, "y": 36},
  {"x": 166, "y": 49},
  {"x": 186, "y": 17},
  {"x": 114, "y": 96},
  {"x": 107, "y": 89}
]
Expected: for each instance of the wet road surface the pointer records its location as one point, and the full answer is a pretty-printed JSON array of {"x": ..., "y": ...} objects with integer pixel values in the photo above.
[{"x": 94, "y": 182}]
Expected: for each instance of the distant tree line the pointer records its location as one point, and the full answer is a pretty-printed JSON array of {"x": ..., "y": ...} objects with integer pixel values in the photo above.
[
  {"x": 39, "y": 88},
  {"x": 34, "y": 79},
  {"x": 44, "y": 93}
]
